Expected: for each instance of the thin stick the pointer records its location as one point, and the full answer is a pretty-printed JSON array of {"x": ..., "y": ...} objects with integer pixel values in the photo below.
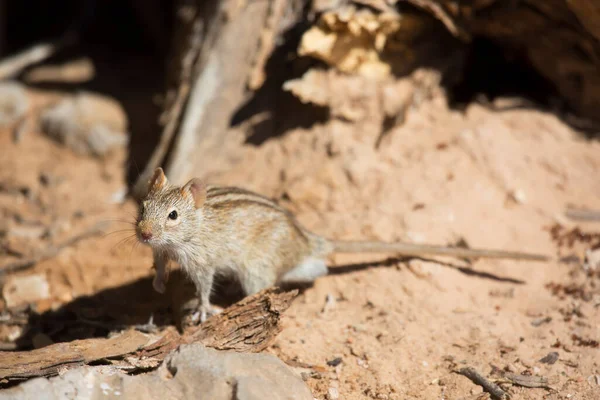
[
  {"x": 480, "y": 380},
  {"x": 441, "y": 14},
  {"x": 583, "y": 215},
  {"x": 11, "y": 66},
  {"x": 51, "y": 251}
]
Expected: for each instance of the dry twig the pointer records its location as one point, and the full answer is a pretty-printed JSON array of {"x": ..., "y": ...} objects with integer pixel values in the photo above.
[
  {"x": 487, "y": 385},
  {"x": 438, "y": 11},
  {"x": 583, "y": 215},
  {"x": 11, "y": 66},
  {"x": 51, "y": 251}
]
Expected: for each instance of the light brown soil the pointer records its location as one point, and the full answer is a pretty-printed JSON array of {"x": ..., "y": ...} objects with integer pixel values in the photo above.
[{"x": 493, "y": 179}]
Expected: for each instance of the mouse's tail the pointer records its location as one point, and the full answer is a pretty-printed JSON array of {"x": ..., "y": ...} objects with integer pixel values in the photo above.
[{"x": 424, "y": 250}]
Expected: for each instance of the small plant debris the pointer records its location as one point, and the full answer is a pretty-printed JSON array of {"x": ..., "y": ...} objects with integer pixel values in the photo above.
[
  {"x": 567, "y": 238},
  {"x": 578, "y": 291},
  {"x": 541, "y": 321},
  {"x": 579, "y": 341},
  {"x": 550, "y": 358}
]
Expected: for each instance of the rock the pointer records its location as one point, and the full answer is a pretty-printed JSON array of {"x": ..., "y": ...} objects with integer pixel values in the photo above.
[
  {"x": 20, "y": 290},
  {"x": 87, "y": 123},
  {"x": 14, "y": 103},
  {"x": 592, "y": 260},
  {"x": 190, "y": 372},
  {"x": 242, "y": 376}
]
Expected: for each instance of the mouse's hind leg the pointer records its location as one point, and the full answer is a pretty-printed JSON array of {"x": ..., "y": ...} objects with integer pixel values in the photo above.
[
  {"x": 305, "y": 272},
  {"x": 256, "y": 278}
]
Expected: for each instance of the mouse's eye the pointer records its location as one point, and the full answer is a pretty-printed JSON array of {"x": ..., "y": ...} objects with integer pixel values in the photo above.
[{"x": 173, "y": 215}]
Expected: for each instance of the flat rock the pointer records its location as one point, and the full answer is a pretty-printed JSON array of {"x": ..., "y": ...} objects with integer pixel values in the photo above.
[{"x": 190, "y": 372}]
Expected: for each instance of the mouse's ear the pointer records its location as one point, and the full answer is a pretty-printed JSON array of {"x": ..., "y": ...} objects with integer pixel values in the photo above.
[
  {"x": 158, "y": 180},
  {"x": 197, "y": 188}
]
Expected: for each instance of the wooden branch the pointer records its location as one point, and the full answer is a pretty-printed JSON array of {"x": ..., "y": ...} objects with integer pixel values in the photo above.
[
  {"x": 583, "y": 215},
  {"x": 11, "y": 66},
  {"x": 50, "y": 359},
  {"x": 267, "y": 43},
  {"x": 217, "y": 91},
  {"x": 250, "y": 325},
  {"x": 438, "y": 11}
]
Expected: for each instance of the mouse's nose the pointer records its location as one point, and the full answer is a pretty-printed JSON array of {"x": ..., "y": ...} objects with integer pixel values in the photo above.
[
  {"x": 144, "y": 229},
  {"x": 146, "y": 235}
]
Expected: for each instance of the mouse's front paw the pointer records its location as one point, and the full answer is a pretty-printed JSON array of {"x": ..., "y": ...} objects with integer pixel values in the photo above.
[{"x": 206, "y": 312}]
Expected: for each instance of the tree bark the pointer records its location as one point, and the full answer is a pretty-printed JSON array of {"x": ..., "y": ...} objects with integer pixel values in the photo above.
[
  {"x": 250, "y": 325},
  {"x": 218, "y": 89}
]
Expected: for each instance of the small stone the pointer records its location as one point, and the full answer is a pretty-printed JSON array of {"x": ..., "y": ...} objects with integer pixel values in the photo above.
[
  {"x": 12, "y": 333},
  {"x": 592, "y": 260},
  {"x": 21, "y": 290},
  {"x": 550, "y": 358},
  {"x": 519, "y": 196},
  {"x": 14, "y": 103},
  {"x": 335, "y": 362},
  {"x": 476, "y": 390},
  {"x": 329, "y": 303},
  {"x": 540, "y": 321},
  {"x": 333, "y": 393}
]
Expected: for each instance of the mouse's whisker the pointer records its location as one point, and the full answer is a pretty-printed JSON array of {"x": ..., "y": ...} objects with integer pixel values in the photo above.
[
  {"x": 123, "y": 241},
  {"x": 133, "y": 247},
  {"x": 107, "y": 234},
  {"x": 132, "y": 214},
  {"x": 121, "y": 221}
]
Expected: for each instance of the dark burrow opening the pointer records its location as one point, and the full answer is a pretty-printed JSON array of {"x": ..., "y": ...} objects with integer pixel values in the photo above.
[{"x": 491, "y": 71}]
